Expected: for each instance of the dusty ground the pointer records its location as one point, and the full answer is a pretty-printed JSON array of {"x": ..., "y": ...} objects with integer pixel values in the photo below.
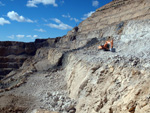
[
  {"x": 36, "y": 85},
  {"x": 15, "y": 104}
]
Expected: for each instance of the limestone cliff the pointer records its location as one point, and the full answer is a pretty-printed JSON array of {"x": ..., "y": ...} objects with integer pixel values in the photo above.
[{"x": 70, "y": 75}]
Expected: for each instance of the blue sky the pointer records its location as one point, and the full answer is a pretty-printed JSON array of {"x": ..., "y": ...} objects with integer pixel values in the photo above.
[{"x": 26, "y": 20}]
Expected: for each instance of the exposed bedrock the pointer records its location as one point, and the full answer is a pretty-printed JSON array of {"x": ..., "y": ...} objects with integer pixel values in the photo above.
[
  {"x": 13, "y": 54},
  {"x": 118, "y": 84}
]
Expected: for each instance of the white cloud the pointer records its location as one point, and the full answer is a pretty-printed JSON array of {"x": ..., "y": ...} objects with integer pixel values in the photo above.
[
  {"x": 14, "y": 16},
  {"x": 3, "y": 21},
  {"x": 33, "y": 3},
  {"x": 85, "y": 16},
  {"x": 68, "y": 16},
  {"x": 76, "y": 20},
  {"x": 40, "y": 30},
  {"x": 35, "y": 36},
  {"x": 29, "y": 36},
  {"x": 95, "y": 3},
  {"x": 59, "y": 25},
  {"x": 32, "y": 37},
  {"x": 1, "y": 4},
  {"x": 20, "y": 36},
  {"x": 11, "y": 37},
  {"x": 56, "y": 20}
]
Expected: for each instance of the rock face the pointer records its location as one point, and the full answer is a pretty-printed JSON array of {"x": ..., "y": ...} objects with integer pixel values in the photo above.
[
  {"x": 116, "y": 12},
  {"x": 13, "y": 54},
  {"x": 113, "y": 84},
  {"x": 110, "y": 19},
  {"x": 70, "y": 75}
]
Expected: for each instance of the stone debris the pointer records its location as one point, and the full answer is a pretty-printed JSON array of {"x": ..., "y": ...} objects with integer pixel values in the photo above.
[{"x": 58, "y": 101}]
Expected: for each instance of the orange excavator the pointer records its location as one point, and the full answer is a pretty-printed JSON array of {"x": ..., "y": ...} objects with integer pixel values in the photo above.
[{"x": 108, "y": 46}]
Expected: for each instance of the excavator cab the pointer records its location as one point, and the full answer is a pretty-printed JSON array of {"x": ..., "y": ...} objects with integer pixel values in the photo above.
[{"x": 108, "y": 46}]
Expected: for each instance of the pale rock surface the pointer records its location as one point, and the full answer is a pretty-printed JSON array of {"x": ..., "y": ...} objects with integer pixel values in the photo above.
[{"x": 113, "y": 82}]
